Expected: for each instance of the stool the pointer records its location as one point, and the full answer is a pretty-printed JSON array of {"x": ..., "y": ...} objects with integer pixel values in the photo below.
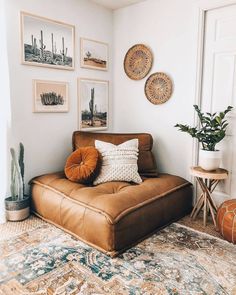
[
  {"x": 208, "y": 180},
  {"x": 226, "y": 220}
]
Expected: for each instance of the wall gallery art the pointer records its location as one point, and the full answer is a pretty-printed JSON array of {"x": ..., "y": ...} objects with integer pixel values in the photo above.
[
  {"x": 46, "y": 42},
  {"x": 50, "y": 96},
  {"x": 93, "y": 104},
  {"x": 94, "y": 54}
]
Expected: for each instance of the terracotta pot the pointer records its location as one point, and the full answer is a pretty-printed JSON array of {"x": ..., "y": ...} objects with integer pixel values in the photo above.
[
  {"x": 17, "y": 210},
  {"x": 209, "y": 160}
]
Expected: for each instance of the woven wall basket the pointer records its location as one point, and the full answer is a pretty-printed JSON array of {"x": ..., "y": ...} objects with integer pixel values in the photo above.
[
  {"x": 158, "y": 88},
  {"x": 138, "y": 62}
]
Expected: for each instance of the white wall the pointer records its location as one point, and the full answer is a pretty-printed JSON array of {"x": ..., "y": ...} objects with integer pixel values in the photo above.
[
  {"x": 169, "y": 27},
  {"x": 4, "y": 110},
  {"x": 47, "y": 136}
]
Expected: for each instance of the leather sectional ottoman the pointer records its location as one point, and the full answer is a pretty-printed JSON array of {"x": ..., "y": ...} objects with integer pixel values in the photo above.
[{"x": 112, "y": 216}]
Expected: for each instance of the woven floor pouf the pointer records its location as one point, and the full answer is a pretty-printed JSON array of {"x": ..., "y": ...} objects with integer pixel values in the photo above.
[{"x": 226, "y": 220}]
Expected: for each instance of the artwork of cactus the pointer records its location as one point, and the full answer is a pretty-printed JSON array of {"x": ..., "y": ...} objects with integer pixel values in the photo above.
[
  {"x": 51, "y": 98},
  {"x": 94, "y": 104},
  {"x": 17, "y": 174},
  {"x": 47, "y": 42},
  {"x": 91, "y": 107},
  {"x": 34, "y": 44},
  {"x": 55, "y": 48},
  {"x": 63, "y": 51},
  {"x": 52, "y": 53},
  {"x": 42, "y": 46}
]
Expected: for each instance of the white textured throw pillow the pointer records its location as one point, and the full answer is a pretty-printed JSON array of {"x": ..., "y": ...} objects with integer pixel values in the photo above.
[{"x": 119, "y": 162}]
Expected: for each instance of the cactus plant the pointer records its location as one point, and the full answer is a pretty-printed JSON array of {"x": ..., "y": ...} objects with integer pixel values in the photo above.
[
  {"x": 42, "y": 46},
  {"x": 34, "y": 45},
  {"x": 52, "y": 55},
  {"x": 17, "y": 174},
  {"x": 55, "y": 48},
  {"x": 51, "y": 98},
  {"x": 63, "y": 51},
  {"x": 91, "y": 107},
  {"x": 17, "y": 206}
]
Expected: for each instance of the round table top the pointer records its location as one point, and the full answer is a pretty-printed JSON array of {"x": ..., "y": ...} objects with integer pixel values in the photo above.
[{"x": 217, "y": 174}]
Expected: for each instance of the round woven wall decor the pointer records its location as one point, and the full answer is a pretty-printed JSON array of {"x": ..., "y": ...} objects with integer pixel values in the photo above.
[
  {"x": 158, "y": 88},
  {"x": 138, "y": 62}
]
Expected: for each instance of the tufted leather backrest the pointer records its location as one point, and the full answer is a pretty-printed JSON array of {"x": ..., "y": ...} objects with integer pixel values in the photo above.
[{"x": 146, "y": 161}]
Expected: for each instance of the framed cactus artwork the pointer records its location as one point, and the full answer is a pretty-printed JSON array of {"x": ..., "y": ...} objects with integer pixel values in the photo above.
[
  {"x": 50, "y": 97},
  {"x": 93, "y": 104},
  {"x": 93, "y": 54},
  {"x": 46, "y": 42}
]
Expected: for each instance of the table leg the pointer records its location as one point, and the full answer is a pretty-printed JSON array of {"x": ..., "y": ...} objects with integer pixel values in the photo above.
[
  {"x": 205, "y": 200},
  {"x": 212, "y": 212},
  {"x": 210, "y": 198},
  {"x": 201, "y": 203},
  {"x": 205, "y": 210},
  {"x": 196, "y": 205}
]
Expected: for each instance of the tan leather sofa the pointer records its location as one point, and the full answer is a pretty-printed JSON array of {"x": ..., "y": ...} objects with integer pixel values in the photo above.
[{"x": 116, "y": 215}]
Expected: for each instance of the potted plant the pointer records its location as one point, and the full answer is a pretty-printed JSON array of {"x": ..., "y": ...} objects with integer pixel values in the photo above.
[
  {"x": 211, "y": 131},
  {"x": 18, "y": 204}
]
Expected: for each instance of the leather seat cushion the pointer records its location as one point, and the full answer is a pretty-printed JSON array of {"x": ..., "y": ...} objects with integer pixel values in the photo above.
[
  {"x": 114, "y": 215},
  {"x": 82, "y": 165}
]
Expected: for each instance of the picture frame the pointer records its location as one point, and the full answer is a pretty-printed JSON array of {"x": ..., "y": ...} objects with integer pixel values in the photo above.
[
  {"x": 50, "y": 96},
  {"x": 46, "y": 42},
  {"x": 94, "y": 54},
  {"x": 93, "y": 104}
]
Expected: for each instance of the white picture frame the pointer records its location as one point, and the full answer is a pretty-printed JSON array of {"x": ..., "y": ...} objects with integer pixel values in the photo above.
[
  {"x": 94, "y": 54},
  {"x": 46, "y": 42},
  {"x": 50, "y": 96},
  {"x": 98, "y": 91}
]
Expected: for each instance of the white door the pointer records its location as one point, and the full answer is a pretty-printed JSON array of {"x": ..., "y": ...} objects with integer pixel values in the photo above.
[{"x": 219, "y": 86}]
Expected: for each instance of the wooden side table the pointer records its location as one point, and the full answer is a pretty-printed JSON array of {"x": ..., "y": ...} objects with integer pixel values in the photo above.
[{"x": 208, "y": 180}]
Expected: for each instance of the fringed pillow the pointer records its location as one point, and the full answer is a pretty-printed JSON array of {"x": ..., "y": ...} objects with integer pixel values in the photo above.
[{"x": 119, "y": 162}]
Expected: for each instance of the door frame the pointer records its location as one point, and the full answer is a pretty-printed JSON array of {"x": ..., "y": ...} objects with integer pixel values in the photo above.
[{"x": 203, "y": 6}]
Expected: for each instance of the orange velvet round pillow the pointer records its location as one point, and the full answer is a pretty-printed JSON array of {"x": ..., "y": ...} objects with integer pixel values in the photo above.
[{"x": 82, "y": 165}]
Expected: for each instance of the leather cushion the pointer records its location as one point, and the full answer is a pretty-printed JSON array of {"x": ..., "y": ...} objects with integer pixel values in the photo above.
[
  {"x": 113, "y": 199},
  {"x": 146, "y": 161},
  {"x": 114, "y": 215},
  {"x": 82, "y": 165}
]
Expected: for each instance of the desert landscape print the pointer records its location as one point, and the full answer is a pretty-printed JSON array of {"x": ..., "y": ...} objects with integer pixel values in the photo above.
[
  {"x": 46, "y": 42},
  {"x": 94, "y": 54},
  {"x": 93, "y": 104}
]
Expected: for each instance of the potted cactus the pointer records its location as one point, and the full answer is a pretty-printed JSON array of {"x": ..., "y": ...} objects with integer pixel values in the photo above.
[
  {"x": 211, "y": 131},
  {"x": 18, "y": 204}
]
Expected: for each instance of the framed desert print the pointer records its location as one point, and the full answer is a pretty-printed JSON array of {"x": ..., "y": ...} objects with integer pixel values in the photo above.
[
  {"x": 93, "y": 104},
  {"x": 94, "y": 54},
  {"x": 50, "y": 97},
  {"x": 46, "y": 42}
]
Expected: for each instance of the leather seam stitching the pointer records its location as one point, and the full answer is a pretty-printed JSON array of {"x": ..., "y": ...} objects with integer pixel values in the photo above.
[
  {"x": 110, "y": 219},
  {"x": 107, "y": 252},
  {"x": 118, "y": 217},
  {"x": 60, "y": 210}
]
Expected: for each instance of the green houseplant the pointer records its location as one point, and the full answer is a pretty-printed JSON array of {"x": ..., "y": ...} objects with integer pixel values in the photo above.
[
  {"x": 17, "y": 205},
  {"x": 211, "y": 130}
]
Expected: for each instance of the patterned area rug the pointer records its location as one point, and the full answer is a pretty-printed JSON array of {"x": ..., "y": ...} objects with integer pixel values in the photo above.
[{"x": 177, "y": 260}]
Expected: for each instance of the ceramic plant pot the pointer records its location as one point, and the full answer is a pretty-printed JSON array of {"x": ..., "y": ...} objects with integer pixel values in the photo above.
[
  {"x": 209, "y": 160},
  {"x": 17, "y": 210}
]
